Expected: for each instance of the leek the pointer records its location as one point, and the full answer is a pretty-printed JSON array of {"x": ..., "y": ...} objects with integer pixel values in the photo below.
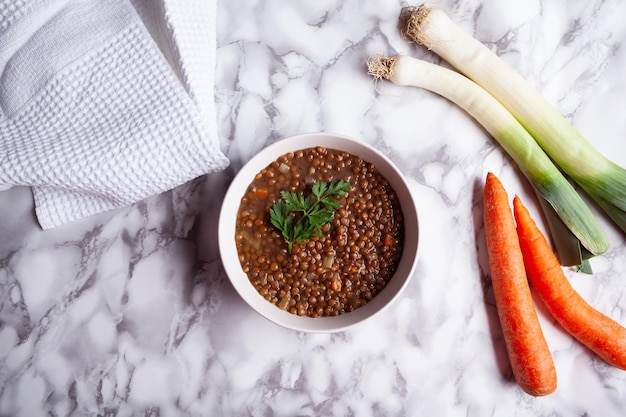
[
  {"x": 601, "y": 178},
  {"x": 508, "y": 132},
  {"x": 566, "y": 245}
]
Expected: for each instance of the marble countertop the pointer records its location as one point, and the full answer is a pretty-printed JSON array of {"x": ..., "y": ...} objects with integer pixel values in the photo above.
[{"x": 130, "y": 313}]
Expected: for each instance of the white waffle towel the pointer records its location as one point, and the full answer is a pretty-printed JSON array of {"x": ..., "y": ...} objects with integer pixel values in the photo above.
[{"x": 101, "y": 106}]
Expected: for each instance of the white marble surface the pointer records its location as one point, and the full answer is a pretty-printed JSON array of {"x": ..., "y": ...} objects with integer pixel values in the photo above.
[{"x": 129, "y": 312}]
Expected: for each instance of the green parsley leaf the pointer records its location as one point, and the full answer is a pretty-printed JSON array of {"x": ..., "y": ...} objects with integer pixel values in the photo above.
[{"x": 300, "y": 217}]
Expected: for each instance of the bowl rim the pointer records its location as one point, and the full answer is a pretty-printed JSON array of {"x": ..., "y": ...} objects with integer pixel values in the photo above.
[{"x": 240, "y": 281}]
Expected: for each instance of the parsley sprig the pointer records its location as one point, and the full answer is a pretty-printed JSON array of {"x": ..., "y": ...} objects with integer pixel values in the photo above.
[{"x": 300, "y": 217}]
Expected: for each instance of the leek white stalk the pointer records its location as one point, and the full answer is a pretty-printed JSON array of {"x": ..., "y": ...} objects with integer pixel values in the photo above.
[
  {"x": 510, "y": 134},
  {"x": 601, "y": 178}
]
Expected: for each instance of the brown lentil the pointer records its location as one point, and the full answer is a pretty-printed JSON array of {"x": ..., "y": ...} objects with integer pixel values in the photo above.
[{"x": 354, "y": 257}]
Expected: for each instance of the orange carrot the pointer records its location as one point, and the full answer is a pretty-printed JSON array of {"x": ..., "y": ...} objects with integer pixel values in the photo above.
[
  {"x": 530, "y": 357},
  {"x": 600, "y": 333},
  {"x": 261, "y": 193}
]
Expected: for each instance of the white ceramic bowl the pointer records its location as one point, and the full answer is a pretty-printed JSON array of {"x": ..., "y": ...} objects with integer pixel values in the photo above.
[{"x": 239, "y": 279}]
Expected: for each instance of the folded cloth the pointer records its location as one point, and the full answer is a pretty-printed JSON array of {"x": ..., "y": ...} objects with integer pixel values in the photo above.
[
  {"x": 92, "y": 115},
  {"x": 185, "y": 32}
]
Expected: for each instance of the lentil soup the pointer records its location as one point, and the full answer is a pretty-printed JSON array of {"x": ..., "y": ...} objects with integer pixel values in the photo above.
[{"x": 352, "y": 258}]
